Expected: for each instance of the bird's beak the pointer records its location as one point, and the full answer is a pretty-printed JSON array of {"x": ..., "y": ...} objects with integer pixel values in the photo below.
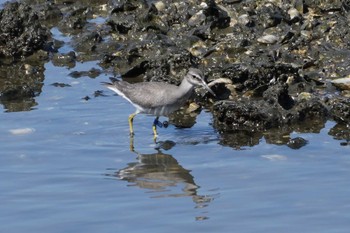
[{"x": 208, "y": 88}]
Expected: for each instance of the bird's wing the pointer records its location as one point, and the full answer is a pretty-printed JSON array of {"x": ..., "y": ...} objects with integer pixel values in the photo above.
[{"x": 150, "y": 94}]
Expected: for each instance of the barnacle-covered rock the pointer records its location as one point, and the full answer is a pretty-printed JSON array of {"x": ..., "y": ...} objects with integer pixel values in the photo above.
[{"x": 21, "y": 32}]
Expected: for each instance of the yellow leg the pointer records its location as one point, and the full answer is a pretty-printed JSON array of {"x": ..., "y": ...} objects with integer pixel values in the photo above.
[
  {"x": 155, "y": 134},
  {"x": 154, "y": 127},
  {"x": 131, "y": 119}
]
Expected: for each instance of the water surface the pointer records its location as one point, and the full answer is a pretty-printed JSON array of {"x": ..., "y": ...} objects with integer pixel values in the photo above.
[{"x": 67, "y": 166}]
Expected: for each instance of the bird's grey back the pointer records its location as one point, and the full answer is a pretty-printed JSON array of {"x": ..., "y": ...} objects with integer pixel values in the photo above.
[{"x": 148, "y": 94}]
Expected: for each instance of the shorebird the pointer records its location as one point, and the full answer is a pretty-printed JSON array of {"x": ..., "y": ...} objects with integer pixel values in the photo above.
[{"x": 157, "y": 98}]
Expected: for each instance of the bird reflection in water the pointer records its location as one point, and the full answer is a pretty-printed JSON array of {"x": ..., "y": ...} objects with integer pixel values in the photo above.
[{"x": 162, "y": 175}]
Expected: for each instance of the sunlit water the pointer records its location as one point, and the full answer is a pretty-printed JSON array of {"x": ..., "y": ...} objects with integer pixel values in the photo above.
[{"x": 67, "y": 166}]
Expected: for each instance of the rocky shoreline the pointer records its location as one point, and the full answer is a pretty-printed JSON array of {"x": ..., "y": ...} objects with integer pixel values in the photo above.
[{"x": 288, "y": 64}]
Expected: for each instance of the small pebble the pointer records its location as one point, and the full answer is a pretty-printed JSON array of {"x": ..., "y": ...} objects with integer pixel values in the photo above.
[
  {"x": 304, "y": 96},
  {"x": 293, "y": 13},
  {"x": 268, "y": 39},
  {"x": 159, "y": 5},
  {"x": 342, "y": 83}
]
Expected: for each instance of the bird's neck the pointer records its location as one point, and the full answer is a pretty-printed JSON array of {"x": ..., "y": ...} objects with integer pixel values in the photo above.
[{"x": 186, "y": 87}]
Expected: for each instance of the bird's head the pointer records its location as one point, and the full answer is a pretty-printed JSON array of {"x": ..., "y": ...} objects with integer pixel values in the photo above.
[{"x": 196, "y": 78}]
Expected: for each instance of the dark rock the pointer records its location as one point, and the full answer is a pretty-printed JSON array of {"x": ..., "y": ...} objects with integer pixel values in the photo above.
[
  {"x": 75, "y": 18},
  {"x": 86, "y": 98},
  {"x": 21, "y": 33},
  {"x": 217, "y": 16},
  {"x": 277, "y": 109},
  {"x": 92, "y": 73},
  {"x": 324, "y": 6},
  {"x": 87, "y": 42},
  {"x": 56, "y": 84},
  {"x": 270, "y": 15},
  {"x": 121, "y": 27},
  {"x": 297, "y": 143},
  {"x": 244, "y": 115},
  {"x": 49, "y": 13},
  {"x": 123, "y": 6},
  {"x": 308, "y": 110},
  {"x": 346, "y": 6},
  {"x": 278, "y": 96},
  {"x": 64, "y": 59},
  {"x": 18, "y": 87},
  {"x": 340, "y": 131},
  {"x": 136, "y": 70},
  {"x": 340, "y": 111},
  {"x": 250, "y": 77}
]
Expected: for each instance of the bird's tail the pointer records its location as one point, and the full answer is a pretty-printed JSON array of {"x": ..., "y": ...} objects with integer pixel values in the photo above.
[{"x": 111, "y": 84}]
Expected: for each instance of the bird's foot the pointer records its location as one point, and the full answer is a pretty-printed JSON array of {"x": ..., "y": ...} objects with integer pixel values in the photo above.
[{"x": 165, "y": 124}]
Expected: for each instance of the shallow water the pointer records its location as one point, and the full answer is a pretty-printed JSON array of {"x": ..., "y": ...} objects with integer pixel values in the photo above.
[{"x": 68, "y": 166}]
